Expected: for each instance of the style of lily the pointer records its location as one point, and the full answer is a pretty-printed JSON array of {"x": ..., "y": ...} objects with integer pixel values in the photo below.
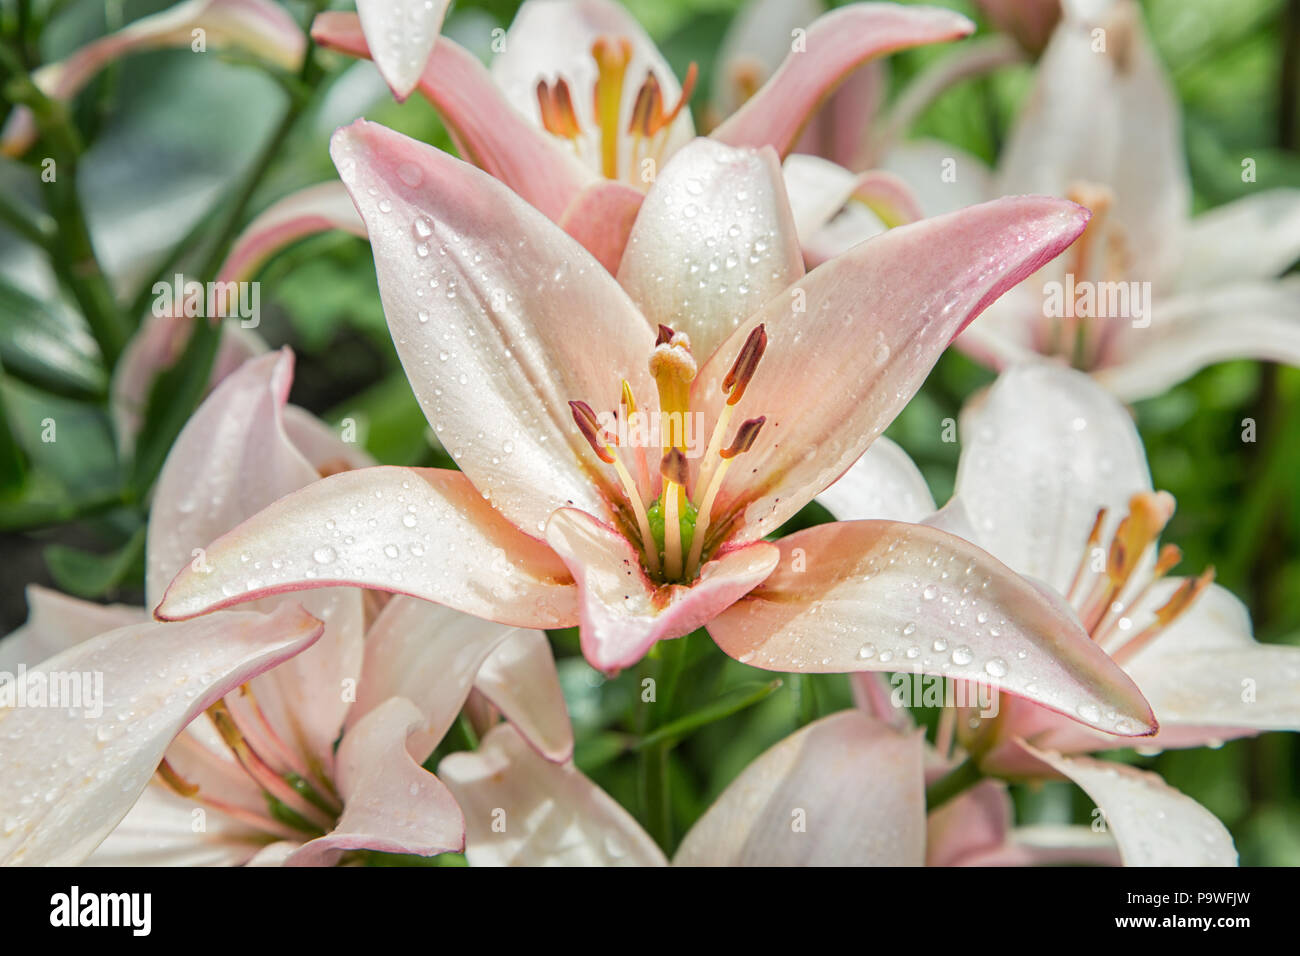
[
  {"x": 1149, "y": 295},
  {"x": 511, "y": 334},
  {"x": 259, "y": 28},
  {"x": 846, "y": 790},
  {"x": 584, "y": 111},
  {"x": 214, "y": 740},
  {"x": 1053, "y": 481}
]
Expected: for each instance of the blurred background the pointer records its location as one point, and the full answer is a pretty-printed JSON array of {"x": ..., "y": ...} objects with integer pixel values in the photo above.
[{"x": 169, "y": 136}]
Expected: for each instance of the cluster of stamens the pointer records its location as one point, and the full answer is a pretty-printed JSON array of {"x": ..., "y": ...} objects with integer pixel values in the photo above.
[
  {"x": 1103, "y": 598},
  {"x": 1100, "y": 255},
  {"x": 647, "y": 125},
  {"x": 301, "y": 803},
  {"x": 683, "y": 511}
]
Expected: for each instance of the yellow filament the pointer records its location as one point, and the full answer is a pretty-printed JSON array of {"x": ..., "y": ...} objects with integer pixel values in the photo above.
[{"x": 703, "y": 516}]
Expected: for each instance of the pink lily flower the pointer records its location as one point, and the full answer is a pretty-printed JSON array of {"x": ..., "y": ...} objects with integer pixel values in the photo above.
[
  {"x": 1053, "y": 480},
  {"x": 1031, "y": 22},
  {"x": 585, "y": 111},
  {"x": 275, "y": 702},
  {"x": 1170, "y": 294},
  {"x": 510, "y": 332},
  {"x": 846, "y": 790},
  {"x": 260, "y": 27}
]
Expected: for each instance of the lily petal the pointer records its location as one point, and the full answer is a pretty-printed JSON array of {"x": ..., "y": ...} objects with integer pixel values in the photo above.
[
  {"x": 156, "y": 680},
  {"x": 315, "y": 209},
  {"x": 390, "y": 803},
  {"x": 1256, "y": 237},
  {"x": 855, "y": 783},
  {"x": 159, "y": 831},
  {"x": 623, "y": 613},
  {"x": 969, "y": 825},
  {"x": 872, "y": 596},
  {"x": 1207, "y": 671},
  {"x": 852, "y": 341},
  {"x": 485, "y": 129},
  {"x": 714, "y": 241},
  {"x": 1042, "y": 451},
  {"x": 500, "y": 322},
  {"x": 56, "y": 622},
  {"x": 1153, "y": 824},
  {"x": 552, "y": 814},
  {"x": 433, "y": 537},
  {"x": 429, "y": 655},
  {"x": 835, "y": 45},
  {"x": 883, "y": 483},
  {"x": 1259, "y": 320},
  {"x": 401, "y": 35},
  {"x": 601, "y": 218},
  {"x": 520, "y": 679}
]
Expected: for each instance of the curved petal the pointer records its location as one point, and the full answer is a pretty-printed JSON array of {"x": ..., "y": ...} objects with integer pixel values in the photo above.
[
  {"x": 942, "y": 177},
  {"x": 885, "y": 596},
  {"x": 315, "y": 209},
  {"x": 164, "y": 829},
  {"x": 1258, "y": 320},
  {"x": 1153, "y": 824},
  {"x": 1207, "y": 671},
  {"x": 500, "y": 322},
  {"x": 71, "y": 775},
  {"x": 520, "y": 680},
  {"x": 843, "y": 791},
  {"x": 390, "y": 803},
  {"x": 754, "y": 46},
  {"x": 523, "y": 810},
  {"x": 883, "y": 483},
  {"x": 601, "y": 217},
  {"x": 401, "y": 35},
  {"x": 552, "y": 39},
  {"x": 324, "y": 450},
  {"x": 429, "y": 655},
  {"x": 56, "y": 622},
  {"x": 834, "y": 46},
  {"x": 715, "y": 239},
  {"x": 852, "y": 341},
  {"x": 970, "y": 824},
  {"x": 233, "y": 458},
  {"x": 623, "y": 613},
  {"x": 486, "y": 130},
  {"x": 1256, "y": 237},
  {"x": 418, "y": 531},
  {"x": 1047, "y": 844},
  {"x": 1041, "y": 452},
  {"x": 1107, "y": 117}
]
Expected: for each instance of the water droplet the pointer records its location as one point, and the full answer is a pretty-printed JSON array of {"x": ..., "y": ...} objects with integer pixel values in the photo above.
[{"x": 324, "y": 555}]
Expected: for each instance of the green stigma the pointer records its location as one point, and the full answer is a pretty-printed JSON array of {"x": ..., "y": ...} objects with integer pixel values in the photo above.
[{"x": 685, "y": 521}]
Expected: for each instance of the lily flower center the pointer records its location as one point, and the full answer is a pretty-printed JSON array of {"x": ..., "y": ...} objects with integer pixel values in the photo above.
[
  {"x": 301, "y": 804},
  {"x": 672, "y": 529},
  {"x": 1095, "y": 294},
  {"x": 1110, "y": 582},
  {"x": 646, "y": 126}
]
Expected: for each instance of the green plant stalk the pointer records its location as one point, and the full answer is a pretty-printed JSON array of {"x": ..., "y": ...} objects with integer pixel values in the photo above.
[
  {"x": 957, "y": 781},
  {"x": 737, "y": 700}
]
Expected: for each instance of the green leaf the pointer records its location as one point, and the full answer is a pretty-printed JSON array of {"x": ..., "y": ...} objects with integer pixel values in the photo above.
[
  {"x": 47, "y": 346},
  {"x": 90, "y": 575}
]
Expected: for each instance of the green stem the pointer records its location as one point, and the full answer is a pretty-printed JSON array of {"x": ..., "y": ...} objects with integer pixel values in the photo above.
[
  {"x": 962, "y": 778},
  {"x": 737, "y": 700}
]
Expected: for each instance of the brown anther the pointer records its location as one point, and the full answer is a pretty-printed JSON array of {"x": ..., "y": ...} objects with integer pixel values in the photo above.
[
  {"x": 665, "y": 335},
  {"x": 591, "y": 430},
  {"x": 747, "y": 76},
  {"x": 674, "y": 468},
  {"x": 746, "y": 362},
  {"x": 746, "y": 435},
  {"x": 688, "y": 87},
  {"x": 647, "y": 109},
  {"x": 1094, "y": 536},
  {"x": 1167, "y": 560},
  {"x": 1148, "y": 514},
  {"x": 558, "y": 115},
  {"x": 1182, "y": 599}
]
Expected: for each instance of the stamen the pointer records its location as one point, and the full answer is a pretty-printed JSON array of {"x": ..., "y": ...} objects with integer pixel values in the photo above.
[
  {"x": 673, "y": 468},
  {"x": 1094, "y": 538},
  {"x": 591, "y": 430},
  {"x": 733, "y": 385},
  {"x": 688, "y": 87},
  {"x": 611, "y": 56},
  {"x": 1166, "y": 614},
  {"x": 558, "y": 115},
  {"x": 1170, "y": 555},
  {"x": 647, "y": 109},
  {"x": 746, "y": 435},
  {"x": 175, "y": 781},
  {"x": 642, "y": 466}
]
